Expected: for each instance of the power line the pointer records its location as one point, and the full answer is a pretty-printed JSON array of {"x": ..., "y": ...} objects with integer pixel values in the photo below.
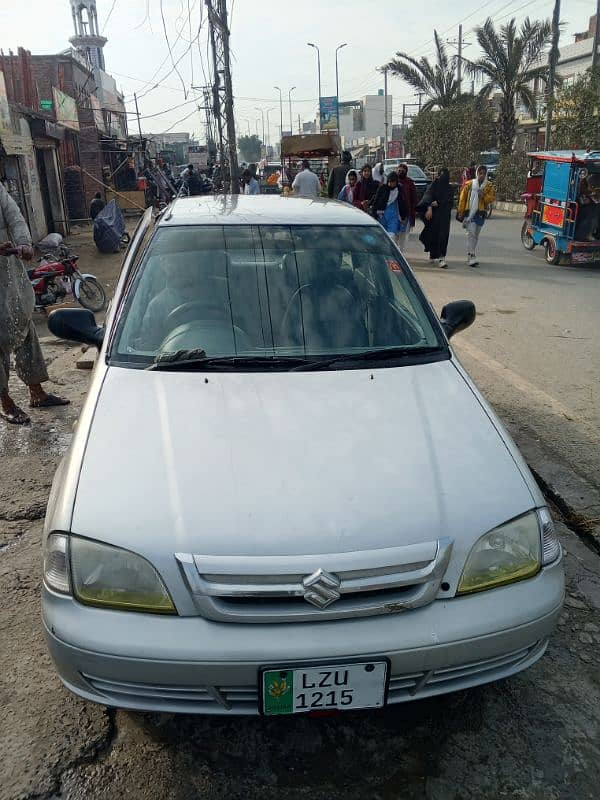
[
  {"x": 112, "y": 8},
  {"x": 164, "y": 24}
]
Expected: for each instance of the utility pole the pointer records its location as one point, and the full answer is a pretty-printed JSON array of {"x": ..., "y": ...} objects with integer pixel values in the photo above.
[
  {"x": 552, "y": 61},
  {"x": 460, "y": 43},
  {"x": 299, "y": 125},
  {"x": 137, "y": 113},
  {"x": 459, "y": 61},
  {"x": 595, "y": 55},
  {"x": 222, "y": 91},
  {"x": 386, "y": 123}
]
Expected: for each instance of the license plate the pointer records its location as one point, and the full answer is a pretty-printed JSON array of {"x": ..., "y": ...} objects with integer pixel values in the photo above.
[{"x": 341, "y": 687}]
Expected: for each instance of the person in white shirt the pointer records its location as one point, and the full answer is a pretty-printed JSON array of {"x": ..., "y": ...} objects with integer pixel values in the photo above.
[
  {"x": 249, "y": 183},
  {"x": 306, "y": 183},
  {"x": 379, "y": 173}
]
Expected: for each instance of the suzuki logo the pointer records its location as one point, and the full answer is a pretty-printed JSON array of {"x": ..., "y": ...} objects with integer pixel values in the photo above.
[{"x": 321, "y": 588}]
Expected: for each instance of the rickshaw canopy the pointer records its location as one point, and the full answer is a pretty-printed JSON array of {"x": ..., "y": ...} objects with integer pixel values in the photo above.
[{"x": 571, "y": 156}]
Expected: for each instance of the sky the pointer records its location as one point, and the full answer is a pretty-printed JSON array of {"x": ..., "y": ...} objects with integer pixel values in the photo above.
[{"x": 269, "y": 48}]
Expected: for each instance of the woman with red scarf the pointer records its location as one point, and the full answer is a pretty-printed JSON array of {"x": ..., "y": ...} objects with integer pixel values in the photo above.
[{"x": 365, "y": 189}]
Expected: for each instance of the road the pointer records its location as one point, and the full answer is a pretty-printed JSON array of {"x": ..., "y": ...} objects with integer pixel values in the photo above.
[{"x": 535, "y": 736}]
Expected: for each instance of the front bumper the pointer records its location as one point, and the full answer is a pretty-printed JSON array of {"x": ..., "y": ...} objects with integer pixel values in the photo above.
[{"x": 192, "y": 665}]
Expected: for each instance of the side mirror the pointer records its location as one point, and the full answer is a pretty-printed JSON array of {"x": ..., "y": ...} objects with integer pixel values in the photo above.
[
  {"x": 76, "y": 324},
  {"x": 457, "y": 316}
]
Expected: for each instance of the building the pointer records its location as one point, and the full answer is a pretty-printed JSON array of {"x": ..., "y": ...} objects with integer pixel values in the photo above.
[
  {"x": 574, "y": 60},
  {"x": 30, "y": 142},
  {"x": 172, "y": 147},
  {"x": 364, "y": 120}
]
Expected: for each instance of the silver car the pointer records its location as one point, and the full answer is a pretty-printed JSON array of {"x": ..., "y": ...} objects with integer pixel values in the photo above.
[{"x": 284, "y": 493}]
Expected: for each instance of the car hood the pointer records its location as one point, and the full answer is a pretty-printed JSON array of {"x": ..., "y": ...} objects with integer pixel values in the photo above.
[{"x": 292, "y": 463}]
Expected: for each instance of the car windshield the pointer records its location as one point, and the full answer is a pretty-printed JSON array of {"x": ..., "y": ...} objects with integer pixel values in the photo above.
[
  {"x": 416, "y": 173},
  {"x": 243, "y": 291}
]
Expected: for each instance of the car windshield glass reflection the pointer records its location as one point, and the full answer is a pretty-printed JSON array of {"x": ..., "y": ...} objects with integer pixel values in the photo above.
[{"x": 272, "y": 291}]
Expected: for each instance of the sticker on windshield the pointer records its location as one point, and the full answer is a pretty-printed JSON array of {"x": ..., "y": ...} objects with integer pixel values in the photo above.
[{"x": 394, "y": 265}]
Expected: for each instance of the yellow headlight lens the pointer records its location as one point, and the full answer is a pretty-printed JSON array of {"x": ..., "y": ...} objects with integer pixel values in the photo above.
[
  {"x": 107, "y": 576},
  {"x": 507, "y": 554}
]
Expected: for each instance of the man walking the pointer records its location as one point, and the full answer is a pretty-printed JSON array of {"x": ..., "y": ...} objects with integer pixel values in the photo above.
[
  {"x": 337, "y": 176},
  {"x": 306, "y": 184},
  {"x": 249, "y": 183},
  {"x": 17, "y": 331},
  {"x": 476, "y": 197}
]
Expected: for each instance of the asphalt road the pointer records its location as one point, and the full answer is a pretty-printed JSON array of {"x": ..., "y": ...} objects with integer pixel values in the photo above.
[{"x": 532, "y": 737}]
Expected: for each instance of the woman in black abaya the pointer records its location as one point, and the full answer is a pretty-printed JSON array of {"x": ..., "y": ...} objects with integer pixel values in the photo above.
[{"x": 437, "y": 203}]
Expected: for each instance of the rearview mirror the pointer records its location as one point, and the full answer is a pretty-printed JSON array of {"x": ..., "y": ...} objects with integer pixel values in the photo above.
[
  {"x": 457, "y": 316},
  {"x": 76, "y": 324}
]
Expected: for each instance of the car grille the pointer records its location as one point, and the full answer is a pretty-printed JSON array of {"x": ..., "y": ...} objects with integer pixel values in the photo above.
[
  {"x": 313, "y": 588},
  {"x": 245, "y": 699}
]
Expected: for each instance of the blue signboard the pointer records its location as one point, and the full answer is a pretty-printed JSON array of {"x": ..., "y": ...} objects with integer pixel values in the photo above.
[{"x": 329, "y": 113}]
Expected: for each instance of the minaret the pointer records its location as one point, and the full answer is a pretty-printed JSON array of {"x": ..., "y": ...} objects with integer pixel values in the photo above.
[{"x": 87, "y": 37}]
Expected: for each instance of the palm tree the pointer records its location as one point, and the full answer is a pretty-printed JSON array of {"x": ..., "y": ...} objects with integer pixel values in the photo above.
[
  {"x": 511, "y": 64},
  {"x": 436, "y": 81}
]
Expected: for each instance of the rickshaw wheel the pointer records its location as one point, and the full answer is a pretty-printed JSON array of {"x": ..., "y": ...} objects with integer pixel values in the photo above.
[
  {"x": 553, "y": 256},
  {"x": 527, "y": 239}
]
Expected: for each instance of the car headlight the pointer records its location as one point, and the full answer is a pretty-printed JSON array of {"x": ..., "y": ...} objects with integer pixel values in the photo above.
[
  {"x": 511, "y": 552},
  {"x": 102, "y": 575}
]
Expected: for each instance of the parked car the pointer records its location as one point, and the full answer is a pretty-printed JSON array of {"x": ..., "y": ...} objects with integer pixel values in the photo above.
[
  {"x": 284, "y": 493},
  {"x": 418, "y": 176}
]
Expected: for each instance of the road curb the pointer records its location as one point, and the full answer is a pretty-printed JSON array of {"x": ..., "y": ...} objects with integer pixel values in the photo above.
[
  {"x": 576, "y": 498},
  {"x": 510, "y": 208}
]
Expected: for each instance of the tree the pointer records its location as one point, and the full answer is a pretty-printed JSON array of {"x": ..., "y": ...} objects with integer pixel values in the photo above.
[
  {"x": 250, "y": 147},
  {"x": 510, "y": 64},
  {"x": 577, "y": 114},
  {"x": 437, "y": 81},
  {"x": 453, "y": 136}
]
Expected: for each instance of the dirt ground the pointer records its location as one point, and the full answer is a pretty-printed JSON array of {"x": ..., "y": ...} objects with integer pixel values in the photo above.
[{"x": 535, "y": 736}]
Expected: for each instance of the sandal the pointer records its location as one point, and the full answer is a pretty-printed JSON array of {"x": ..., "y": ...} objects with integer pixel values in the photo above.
[
  {"x": 16, "y": 417},
  {"x": 49, "y": 401}
]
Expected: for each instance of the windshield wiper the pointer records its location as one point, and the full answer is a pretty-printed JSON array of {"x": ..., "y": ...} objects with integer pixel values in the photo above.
[
  {"x": 382, "y": 354},
  {"x": 183, "y": 360}
]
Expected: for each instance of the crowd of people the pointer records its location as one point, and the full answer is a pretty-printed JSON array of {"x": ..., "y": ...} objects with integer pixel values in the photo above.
[{"x": 392, "y": 199}]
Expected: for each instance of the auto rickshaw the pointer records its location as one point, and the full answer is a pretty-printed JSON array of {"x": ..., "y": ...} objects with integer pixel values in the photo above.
[{"x": 563, "y": 206}]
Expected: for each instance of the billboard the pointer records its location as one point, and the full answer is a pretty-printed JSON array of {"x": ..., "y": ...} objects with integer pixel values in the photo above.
[
  {"x": 395, "y": 149},
  {"x": 5, "y": 123},
  {"x": 65, "y": 109},
  {"x": 329, "y": 113}
]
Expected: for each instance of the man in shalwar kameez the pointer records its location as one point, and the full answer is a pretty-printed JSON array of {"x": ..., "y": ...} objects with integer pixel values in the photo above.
[{"x": 17, "y": 331}]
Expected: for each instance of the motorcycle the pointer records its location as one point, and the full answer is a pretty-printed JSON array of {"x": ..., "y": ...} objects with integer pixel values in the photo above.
[{"x": 57, "y": 276}]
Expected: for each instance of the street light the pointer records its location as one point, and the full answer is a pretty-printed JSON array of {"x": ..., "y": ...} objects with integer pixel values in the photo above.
[
  {"x": 280, "y": 111},
  {"x": 310, "y": 44},
  {"x": 290, "y": 100},
  {"x": 262, "y": 113},
  {"x": 337, "y": 83},
  {"x": 268, "y": 111}
]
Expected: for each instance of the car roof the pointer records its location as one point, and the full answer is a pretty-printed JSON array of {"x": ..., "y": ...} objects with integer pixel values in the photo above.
[{"x": 261, "y": 210}]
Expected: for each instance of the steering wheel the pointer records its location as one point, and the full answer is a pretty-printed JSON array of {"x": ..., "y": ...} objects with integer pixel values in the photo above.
[
  {"x": 187, "y": 311},
  {"x": 304, "y": 288}
]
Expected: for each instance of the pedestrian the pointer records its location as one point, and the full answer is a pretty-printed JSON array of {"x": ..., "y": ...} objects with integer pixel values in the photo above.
[
  {"x": 410, "y": 195},
  {"x": 96, "y": 205},
  {"x": 337, "y": 176},
  {"x": 17, "y": 331},
  {"x": 249, "y": 183},
  {"x": 389, "y": 207},
  {"x": 476, "y": 197},
  {"x": 346, "y": 195},
  {"x": 468, "y": 174},
  {"x": 306, "y": 184},
  {"x": 437, "y": 201},
  {"x": 365, "y": 189},
  {"x": 379, "y": 172}
]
